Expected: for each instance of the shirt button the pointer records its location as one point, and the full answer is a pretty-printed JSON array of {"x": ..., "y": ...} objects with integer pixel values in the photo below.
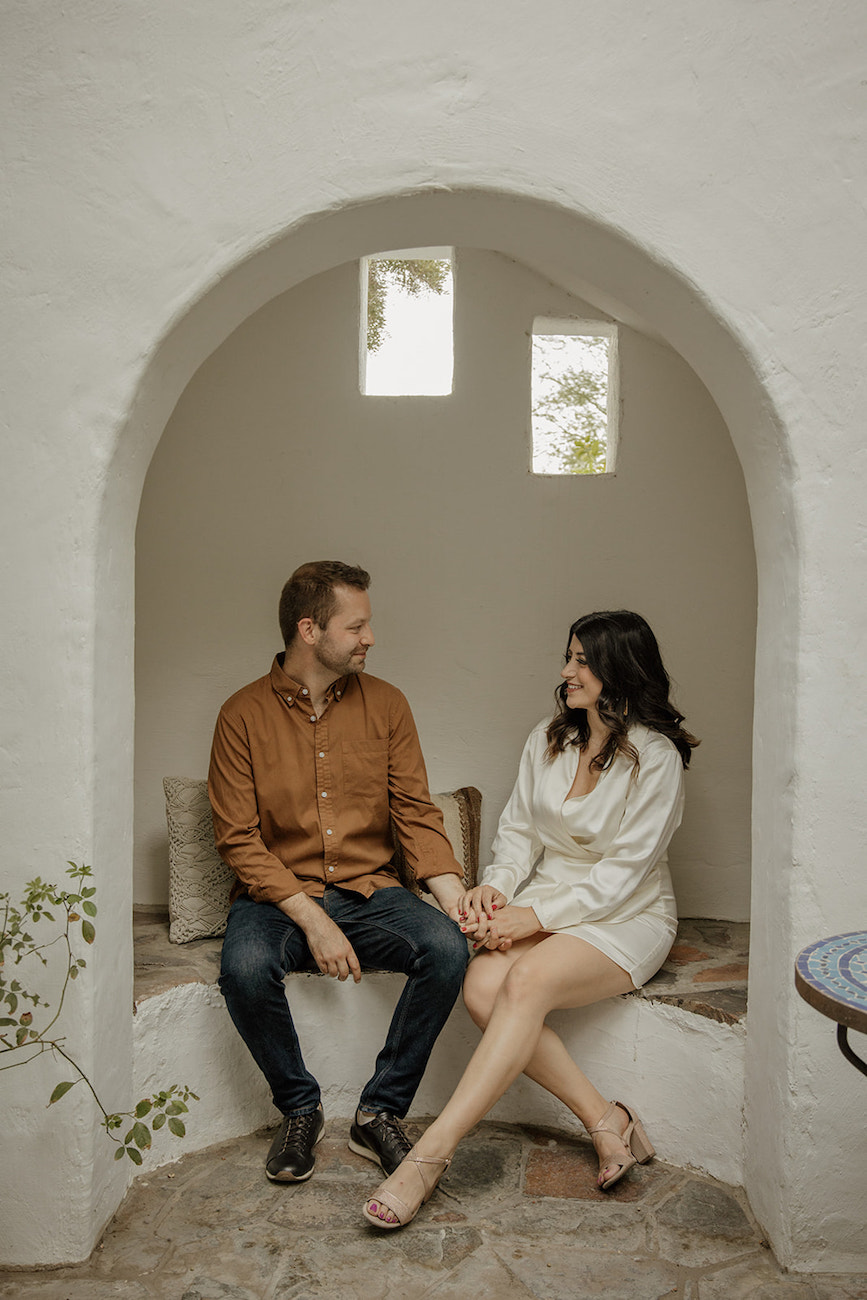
[
  {"x": 312, "y": 718},
  {"x": 330, "y": 868},
  {"x": 329, "y": 832},
  {"x": 324, "y": 794},
  {"x": 322, "y": 753},
  {"x": 304, "y": 691},
  {"x": 288, "y": 699}
]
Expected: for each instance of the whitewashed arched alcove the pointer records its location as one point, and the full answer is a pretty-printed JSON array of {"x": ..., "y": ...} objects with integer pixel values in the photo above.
[
  {"x": 574, "y": 252},
  {"x": 479, "y": 566}
]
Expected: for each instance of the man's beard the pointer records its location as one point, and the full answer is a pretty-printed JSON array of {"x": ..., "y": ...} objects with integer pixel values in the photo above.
[{"x": 341, "y": 665}]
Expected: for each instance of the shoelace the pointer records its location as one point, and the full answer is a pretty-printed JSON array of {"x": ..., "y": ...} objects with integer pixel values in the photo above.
[
  {"x": 299, "y": 1130},
  {"x": 393, "y": 1130}
]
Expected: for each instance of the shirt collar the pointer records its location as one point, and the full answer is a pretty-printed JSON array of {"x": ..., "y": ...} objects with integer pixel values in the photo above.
[{"x": 291, "y": 690}]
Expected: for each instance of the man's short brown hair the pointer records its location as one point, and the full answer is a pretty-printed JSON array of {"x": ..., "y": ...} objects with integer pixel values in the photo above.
[{"x": 310, "y": 593}]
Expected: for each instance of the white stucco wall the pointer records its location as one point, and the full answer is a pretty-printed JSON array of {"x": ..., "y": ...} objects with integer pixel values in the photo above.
[
  {"x": 628, "y": 1046},
  {"x": 478, "y": 566},
  {"x": 169, "y": 169}
]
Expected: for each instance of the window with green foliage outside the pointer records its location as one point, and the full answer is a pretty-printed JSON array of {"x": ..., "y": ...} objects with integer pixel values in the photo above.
[
  {"x": 573, "y": 406},
  {"x": 407, "y": 304}
]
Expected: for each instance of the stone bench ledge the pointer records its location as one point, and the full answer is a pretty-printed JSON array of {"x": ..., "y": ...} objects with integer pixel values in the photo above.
[{"x": 706, "y": 971}]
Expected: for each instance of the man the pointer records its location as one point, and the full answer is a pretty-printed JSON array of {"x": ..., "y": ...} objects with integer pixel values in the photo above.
[{"x": 310, "y": 766}]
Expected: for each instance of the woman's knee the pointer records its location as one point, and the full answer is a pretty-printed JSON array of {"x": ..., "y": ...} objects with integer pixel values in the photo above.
[
  {"x": 521, "y": 986},
  {"x": 479, "y": 1002},
  {"x": 481, "y": 985}
]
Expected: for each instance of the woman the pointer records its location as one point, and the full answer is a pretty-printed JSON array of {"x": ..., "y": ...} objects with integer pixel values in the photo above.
[{"x": 599, "y": 795}]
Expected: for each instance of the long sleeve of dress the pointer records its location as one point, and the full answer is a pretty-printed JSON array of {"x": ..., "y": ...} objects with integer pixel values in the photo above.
[{"x": 517, "y": 844}]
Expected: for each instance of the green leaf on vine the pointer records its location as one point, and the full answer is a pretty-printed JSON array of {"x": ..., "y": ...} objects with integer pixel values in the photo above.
[
  {"x": 61, "y": 1090},
  {"x": 141, "y": 1135}
]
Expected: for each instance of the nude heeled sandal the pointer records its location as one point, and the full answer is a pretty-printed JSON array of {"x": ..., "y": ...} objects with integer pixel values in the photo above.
[
  {"x": 383, "y": 1197},
  {"x": 633, "y": 1137}
]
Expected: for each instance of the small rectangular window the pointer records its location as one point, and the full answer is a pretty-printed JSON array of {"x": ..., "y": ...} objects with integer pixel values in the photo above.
[
  {"x": 406, "y": 346},
  {"x": 574, "y": 402}
]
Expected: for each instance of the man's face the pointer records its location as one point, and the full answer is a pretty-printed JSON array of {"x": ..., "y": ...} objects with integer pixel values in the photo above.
[{"x": 341, "y": 647}]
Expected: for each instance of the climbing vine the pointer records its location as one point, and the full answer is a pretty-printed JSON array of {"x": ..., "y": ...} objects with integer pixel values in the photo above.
[{"x": 29, "y": 1024}]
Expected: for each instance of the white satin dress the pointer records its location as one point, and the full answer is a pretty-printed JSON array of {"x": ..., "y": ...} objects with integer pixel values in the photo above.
[{"x": 595, "y": 865}]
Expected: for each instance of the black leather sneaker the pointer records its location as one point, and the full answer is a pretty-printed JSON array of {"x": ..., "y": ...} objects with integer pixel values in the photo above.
[
  {"x": 290, "y": 1156},
  {"x": 382, "y": 1140}
]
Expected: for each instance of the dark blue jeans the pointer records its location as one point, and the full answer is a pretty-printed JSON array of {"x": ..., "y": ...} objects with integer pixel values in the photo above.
[{"x": 392, "y": 930}]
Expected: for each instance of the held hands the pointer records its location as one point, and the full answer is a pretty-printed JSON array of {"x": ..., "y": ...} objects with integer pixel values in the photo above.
[
  {"x": 485, "y": 917},
  {"x": 329, "y": 946},
  {"x": 507, "y": 925},
  {"x": 474, "y": 908}
]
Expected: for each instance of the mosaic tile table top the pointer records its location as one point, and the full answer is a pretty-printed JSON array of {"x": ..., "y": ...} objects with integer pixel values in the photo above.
[
  {"x": 706, "y": 970},
  {"x": 831, "y": 975}
]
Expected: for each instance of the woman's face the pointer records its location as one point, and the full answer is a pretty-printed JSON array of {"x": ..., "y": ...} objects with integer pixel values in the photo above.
[{"x": 583, "y": 687}]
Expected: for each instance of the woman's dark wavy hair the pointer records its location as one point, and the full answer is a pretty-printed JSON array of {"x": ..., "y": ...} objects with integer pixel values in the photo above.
[{"x": 622, "y": 652}]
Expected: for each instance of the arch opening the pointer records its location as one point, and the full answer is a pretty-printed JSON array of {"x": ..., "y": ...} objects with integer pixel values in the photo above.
[{"x": 574, "y": 253}]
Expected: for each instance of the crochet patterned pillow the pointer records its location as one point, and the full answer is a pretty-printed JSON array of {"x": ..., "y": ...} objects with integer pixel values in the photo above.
[{"x": 199, "y": 882}]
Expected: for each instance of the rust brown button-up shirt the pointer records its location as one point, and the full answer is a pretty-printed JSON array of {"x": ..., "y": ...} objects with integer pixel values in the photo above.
[{"x": 302, "y": 802}]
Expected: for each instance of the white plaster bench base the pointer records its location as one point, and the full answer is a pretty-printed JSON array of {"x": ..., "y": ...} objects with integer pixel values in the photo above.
[{"x": 684, "y": 1072}]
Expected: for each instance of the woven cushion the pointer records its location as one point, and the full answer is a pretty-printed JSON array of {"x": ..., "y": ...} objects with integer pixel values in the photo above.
[{"x": 200, "y": 883}]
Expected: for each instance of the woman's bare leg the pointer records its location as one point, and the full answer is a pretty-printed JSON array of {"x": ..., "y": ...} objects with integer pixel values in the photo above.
[
  {"x": 554, "y": 973},
  {"x": 551, "y": 1065}
]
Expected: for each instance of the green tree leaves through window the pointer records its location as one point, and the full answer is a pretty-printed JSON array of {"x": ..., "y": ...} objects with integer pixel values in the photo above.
[
  {"x": 407, "y": 344},
  {"x": 414, "y": 275},
  {"x": 570, "y": 403}
]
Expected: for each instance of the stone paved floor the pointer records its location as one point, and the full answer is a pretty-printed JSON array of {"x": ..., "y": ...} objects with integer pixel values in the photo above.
[{"x": 518, "y": 1218}]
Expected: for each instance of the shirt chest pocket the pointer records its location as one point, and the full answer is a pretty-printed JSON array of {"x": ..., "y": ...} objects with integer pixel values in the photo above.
[{"x": 365, "y": 770}]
